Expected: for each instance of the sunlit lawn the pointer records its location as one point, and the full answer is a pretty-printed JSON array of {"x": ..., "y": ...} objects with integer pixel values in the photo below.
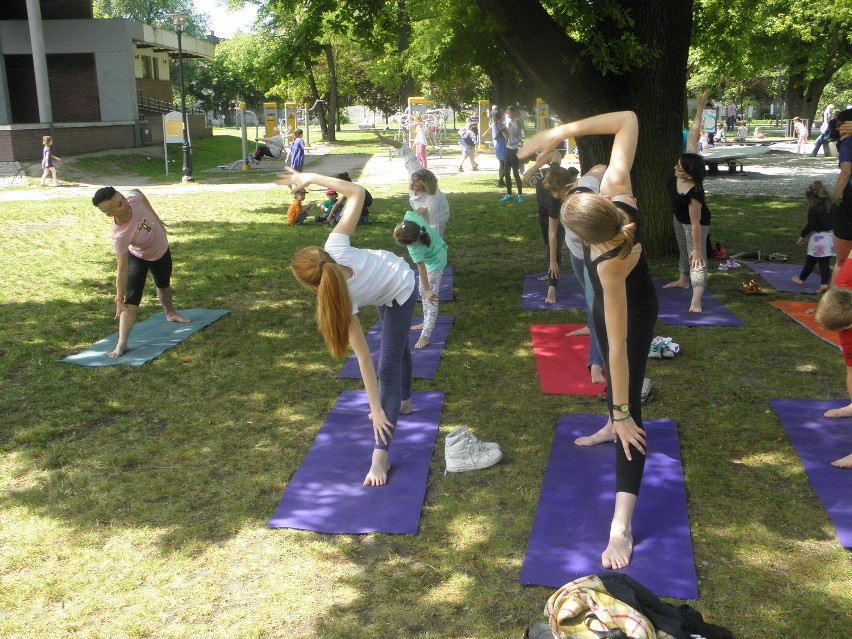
[{"x": 134, "y": 501}]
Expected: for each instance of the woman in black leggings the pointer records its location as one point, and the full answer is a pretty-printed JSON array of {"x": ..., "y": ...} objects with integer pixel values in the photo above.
[{"x": 625, "y": 307}]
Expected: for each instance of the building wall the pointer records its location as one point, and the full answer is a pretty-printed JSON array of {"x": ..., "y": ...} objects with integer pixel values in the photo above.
[
  {"x": 156, "y": 89},
  {"x": 24, "y": 144}
]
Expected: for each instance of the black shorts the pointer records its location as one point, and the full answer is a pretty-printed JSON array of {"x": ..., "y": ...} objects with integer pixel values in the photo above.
[
  {"x": 843, "y": 216},
  {"x": 137, "y": 273}
]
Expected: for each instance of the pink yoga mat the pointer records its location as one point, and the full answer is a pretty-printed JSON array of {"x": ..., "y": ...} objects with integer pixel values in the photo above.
[{"x": 561, "y": 360}]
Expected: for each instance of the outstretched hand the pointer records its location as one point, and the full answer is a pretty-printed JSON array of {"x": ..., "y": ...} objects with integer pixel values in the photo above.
[
  {"x": 544, "y": 142},
  {"x": 628, "y": 433},
  {"x": 293, "y": 179},
  {"x": 382, "y": 428}
]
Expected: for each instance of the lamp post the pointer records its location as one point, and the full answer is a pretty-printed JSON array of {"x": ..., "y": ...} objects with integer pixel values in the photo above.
[{"x": 179, "y": 19}]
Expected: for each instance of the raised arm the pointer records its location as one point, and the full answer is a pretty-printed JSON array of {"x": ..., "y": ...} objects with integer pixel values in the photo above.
[
  {"x": 353, "y": 193},
  {"x": 385, "y": 140},
  {"x": 695, "y": 130},
  {"x": 622, "y": 124}
]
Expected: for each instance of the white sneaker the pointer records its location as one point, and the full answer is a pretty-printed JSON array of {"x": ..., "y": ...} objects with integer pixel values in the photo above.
[
  {"x": 462, "y": 455},
  {"x": 463, "y": 433}
]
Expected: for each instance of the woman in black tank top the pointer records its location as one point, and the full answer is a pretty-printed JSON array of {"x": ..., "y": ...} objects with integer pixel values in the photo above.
[{"x": 625, "y": 307}]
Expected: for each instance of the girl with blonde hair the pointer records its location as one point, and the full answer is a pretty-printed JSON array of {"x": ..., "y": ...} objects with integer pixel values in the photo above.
[
  {"x": 345, "y": 279},
  {"x": 625, "y": 304}
]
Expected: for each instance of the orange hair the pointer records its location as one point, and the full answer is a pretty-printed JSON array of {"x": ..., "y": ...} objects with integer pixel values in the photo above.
[{"x": 317, "y": 270}]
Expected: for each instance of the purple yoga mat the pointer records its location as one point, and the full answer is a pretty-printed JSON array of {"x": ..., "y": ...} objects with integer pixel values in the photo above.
[
  {"x": 571, "y": 526},
  {"x": 326, "y": 493},
  {"x": 819, "y": 441},
  {"x": 569, "y": 294},
  {"x": 779, "y": 277},
  {"x": 674, "y": 308},
  {"x": 445, "y": 291},
  {"x": 424, "y": 361}
]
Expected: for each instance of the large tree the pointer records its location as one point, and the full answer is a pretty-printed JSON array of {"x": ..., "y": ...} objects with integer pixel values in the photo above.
[
  {"x": 586, "y": 58},
  {"x": 155, "y": 13}
]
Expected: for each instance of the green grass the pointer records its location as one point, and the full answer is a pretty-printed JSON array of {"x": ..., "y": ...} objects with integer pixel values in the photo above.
[{"x": 134, "y": 501}]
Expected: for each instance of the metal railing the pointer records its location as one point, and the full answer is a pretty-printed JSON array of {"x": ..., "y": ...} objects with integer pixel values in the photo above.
[{"x": 152, "y": 105}]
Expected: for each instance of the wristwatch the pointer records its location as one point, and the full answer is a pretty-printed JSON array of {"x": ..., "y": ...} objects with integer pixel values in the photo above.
[{"x": 622, "y": 408}]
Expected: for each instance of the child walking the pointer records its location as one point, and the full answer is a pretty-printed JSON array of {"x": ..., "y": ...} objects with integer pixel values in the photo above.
[
  {"x": 821, "y": 243},
  {"x": 47, "y": 159},
  {"x": 467, "y": 142},
  {"x": 428, "y": 251}
]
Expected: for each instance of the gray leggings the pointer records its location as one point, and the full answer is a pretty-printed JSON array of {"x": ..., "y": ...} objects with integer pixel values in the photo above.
[
  {"x": 395, "y": 357},
  {"x": 683, "y": 233}
]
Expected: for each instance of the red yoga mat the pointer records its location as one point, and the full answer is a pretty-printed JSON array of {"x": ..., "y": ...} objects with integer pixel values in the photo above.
[
  {"x": 561, "y": 360},
  {"x": 798, "y": 312}
]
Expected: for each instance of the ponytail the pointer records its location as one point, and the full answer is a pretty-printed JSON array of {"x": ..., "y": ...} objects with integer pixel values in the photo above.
[
  {"x": 408, "y": 232},
  {"x": 317, "y": 270},
  {"x": 596, "y": 220}
]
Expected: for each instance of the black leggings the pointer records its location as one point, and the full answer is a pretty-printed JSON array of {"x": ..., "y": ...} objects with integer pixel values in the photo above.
[
  {"x": 824, "y": 268},
  {"x": 137, "y": 273},
  {"x": 512, "y": 165},
  {"x": 641, "y": 326}
]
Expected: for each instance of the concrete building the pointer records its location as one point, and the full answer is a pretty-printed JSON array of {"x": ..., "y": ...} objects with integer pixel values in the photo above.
[{"x": 90, "y": 84}]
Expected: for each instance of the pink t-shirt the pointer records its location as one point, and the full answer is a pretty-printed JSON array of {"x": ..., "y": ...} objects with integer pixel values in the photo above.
[{"x": 143, "y": 235}]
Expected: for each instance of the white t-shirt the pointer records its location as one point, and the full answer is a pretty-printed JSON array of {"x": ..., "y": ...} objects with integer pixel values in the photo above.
[
  {"x": 572, "y": 240},
  {"x": 378, "y": 277},
  {"x": 436, "y": 204}
]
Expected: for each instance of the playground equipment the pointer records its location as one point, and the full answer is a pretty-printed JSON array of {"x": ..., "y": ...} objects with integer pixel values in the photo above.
[
  {"x": 542, "y": 115},
  {"x": 435, "y": 121}
]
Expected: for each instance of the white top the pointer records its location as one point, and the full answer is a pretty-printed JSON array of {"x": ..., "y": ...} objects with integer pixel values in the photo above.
[
  {"x": 572, "y": 240},
  {"x": 378, "y": 277},
  {"x": 436, "y": 204},
  {"x": 420, "y": 134}
]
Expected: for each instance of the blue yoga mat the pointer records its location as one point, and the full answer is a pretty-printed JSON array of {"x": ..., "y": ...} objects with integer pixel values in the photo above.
[
  {"x": 148, "y": 339},
  {"x": 569, "y": 294},
  {"x": 819, "y": 441},
  {"x": 326, "y": 493},
  {"x": 674, "y": 308},
  {"x": 571, "y": 526},
  {"x": 424, "y": 361},
  {"x": 779, "y": 277}
]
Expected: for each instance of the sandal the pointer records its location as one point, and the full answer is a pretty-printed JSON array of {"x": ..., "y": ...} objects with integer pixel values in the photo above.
[{"x": 751, "y": 288}]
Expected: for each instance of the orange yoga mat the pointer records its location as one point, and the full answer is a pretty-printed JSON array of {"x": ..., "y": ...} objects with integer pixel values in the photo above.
[
  {"x": 797, "y": 310},
  {"x": 561, "y": 360}
]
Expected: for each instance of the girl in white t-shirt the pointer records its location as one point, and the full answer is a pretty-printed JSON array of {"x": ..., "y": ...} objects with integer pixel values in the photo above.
[{"x": 346, "y": 278}]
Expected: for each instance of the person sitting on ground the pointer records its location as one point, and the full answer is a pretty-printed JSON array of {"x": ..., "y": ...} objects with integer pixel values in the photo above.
[
  {"x": 428, "y": 251},
  {"x": 742, "y": 132},
  {"x": 758, "y": 134},
  {"x": 298, "y": 211},
  {"x": 424, "y": 196},
  {"x": 720, "y": 133},
  {"x": 821, "y": 243},
  {"x": 337, "y": 209},
  {"x": 327, "y": 206},
  {"x": 272, "y": 148},
  {"x": 141, "y": 245}
]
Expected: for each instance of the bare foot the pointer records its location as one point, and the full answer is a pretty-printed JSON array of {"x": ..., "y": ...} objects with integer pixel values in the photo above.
[
  {"x": 695, "y": 307},
  {"x": 423, "y": 342},
  {"x": 405, "y": 407},
  {"x": 617, "y": 553},
  {"x": 601, "y": 437},
  {"x": 543, "y": 278},
  {"x": 118, "y": 351},
  {"x": 180, "y": 319},
  {"x": 551, "y": 295},
  {"x": 843, "y": 462},
  {"x": 846, "y": 411},
  {"x": 379, "y": 468},
  {"x": 417, "y": 327},
  {"x": 678, "y": 283},
  {"x": 798, "y": 280},
  {"x": 597, "y": 374},
  {"x": 823, "y": 288},
  {"x": 579, "y": 331}
]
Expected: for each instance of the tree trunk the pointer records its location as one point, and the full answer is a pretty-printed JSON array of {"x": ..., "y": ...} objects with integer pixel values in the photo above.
[
  {"x": 555, "y": 65},
  {"x": 315, "y": 95},
  {"x": 406, "y": 89},
  {"x": 332, "y": 93}
]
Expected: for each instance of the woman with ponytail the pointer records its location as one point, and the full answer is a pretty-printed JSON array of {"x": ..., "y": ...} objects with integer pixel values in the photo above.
[
  {"x": 625, "y": 305},
  {"x": 428, "y": 251},
  {"x": 345, "y": 279}
]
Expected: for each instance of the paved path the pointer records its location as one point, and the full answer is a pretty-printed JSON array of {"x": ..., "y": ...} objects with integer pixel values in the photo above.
[{"x": 779, "y": 173}]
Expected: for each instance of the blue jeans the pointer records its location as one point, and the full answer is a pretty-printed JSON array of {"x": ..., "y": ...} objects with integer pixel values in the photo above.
[
  {"x": 821, "y": 140},
  {"x": 583, "y": 277}
]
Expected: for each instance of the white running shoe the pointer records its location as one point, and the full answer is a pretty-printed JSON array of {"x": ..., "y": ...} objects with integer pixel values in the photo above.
[
  {"x": 462, "y": 455},
  {"x": 463, "y": 433}
]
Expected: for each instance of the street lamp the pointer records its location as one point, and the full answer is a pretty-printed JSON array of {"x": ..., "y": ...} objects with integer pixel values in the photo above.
[{"x": 179, "y": 19}]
